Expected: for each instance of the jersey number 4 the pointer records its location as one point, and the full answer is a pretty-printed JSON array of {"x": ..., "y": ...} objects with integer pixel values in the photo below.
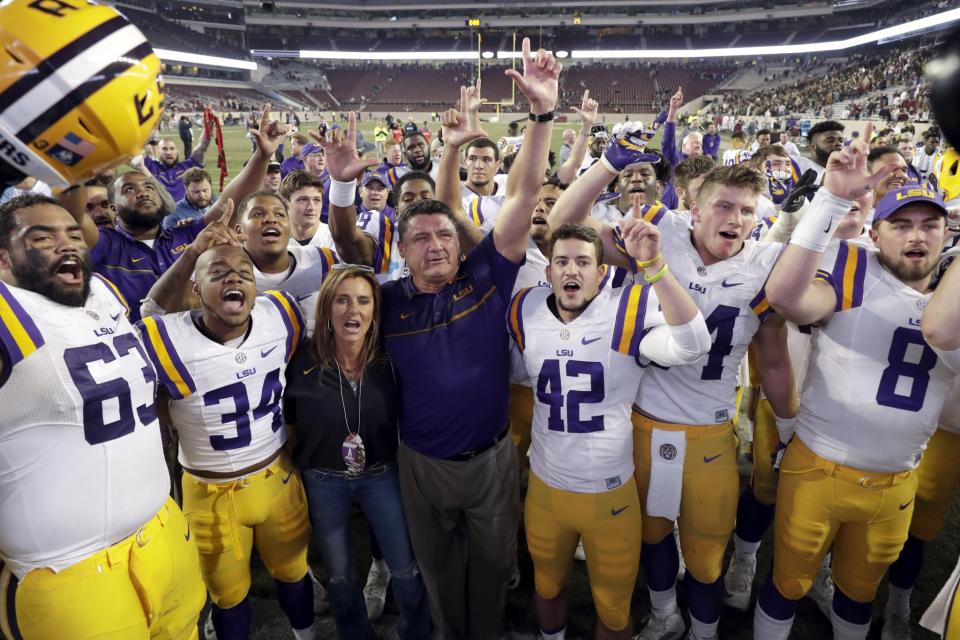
[
  {"x": 550, "y": 393},
  {"x": 269, "y": 403}
]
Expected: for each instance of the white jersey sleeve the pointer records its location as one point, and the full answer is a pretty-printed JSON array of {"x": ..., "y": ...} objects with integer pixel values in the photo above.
[
  {"x": 736, "y": 156},
  {"x": 387, "y": 262},
  {"x": 81, "y": 461},
  {"x": 310, "y": 265},
  {"x": 874, "y": 388},
  {"x": 225, "y": 402},
  {"x": 731, "y": 296},
  {"x": 585, "y": 375}
]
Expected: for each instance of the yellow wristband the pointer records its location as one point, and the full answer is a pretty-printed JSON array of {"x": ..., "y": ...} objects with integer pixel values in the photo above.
[
  {"x": 658, "y": 275},
  {"x": 642, "y": 264}
]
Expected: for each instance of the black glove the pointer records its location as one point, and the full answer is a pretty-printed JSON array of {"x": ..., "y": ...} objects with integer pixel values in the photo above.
[{"x": 805, "y": 189}]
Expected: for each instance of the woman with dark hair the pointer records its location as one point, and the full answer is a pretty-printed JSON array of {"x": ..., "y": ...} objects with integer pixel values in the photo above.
[{"x": 342, "y": 395}]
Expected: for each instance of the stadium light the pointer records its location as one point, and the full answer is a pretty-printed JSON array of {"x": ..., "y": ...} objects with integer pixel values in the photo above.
[
  {"x": 488, "y": 54},
  {"x": 938, "y": 20},
  {"x": 935, "y": 21},
  {"x": 166, "y": 55},
  {"x": 384, "y": 56}
]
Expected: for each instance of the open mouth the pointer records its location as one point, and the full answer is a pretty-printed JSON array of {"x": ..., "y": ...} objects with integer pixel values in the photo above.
[
  {"x": 233, "y": 300},
  {"x": 538, "y": 220},
  {"x": 729, "y": 235},
  {"x": 915, "y": 254},
  {"x": 896, "y": 183},
  {"x": 352, "y": 326},
  {"x": 271, "y": 233},
  {"x": 69, "y": 271},
  {"x": 571, "y": 287},
  {"x": 638, "y": 189}
]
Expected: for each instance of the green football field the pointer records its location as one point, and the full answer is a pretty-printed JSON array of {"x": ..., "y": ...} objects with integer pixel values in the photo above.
[{"x": 270, "y": 623}]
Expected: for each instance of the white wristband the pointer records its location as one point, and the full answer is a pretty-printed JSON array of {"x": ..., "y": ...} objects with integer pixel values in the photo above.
[
  {"x": 786, "y": 427},
  {"x": 816, "y": 228},
  {"x": 343, "y": 194}
]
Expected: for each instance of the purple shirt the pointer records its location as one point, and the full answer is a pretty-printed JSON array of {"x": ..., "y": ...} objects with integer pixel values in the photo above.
[
  {"x": 451, "y": 350},
  {"x": 711, "y": 144},
  {"x": 133, "y": 266},
  {"x": 289, "y": 165},
  {"x": 170, "y": 177}
]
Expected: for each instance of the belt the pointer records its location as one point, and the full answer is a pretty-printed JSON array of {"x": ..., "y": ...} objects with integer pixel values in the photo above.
[
  {"x": 378, "y": 470},
  {"x": 470, "y": 455},
  {"x": 842, "y": 472}
]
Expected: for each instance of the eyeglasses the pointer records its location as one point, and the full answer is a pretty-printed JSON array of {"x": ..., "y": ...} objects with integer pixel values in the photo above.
[
  {"x": 103, "y": 204},
  {"x": 357, "y": 267}
]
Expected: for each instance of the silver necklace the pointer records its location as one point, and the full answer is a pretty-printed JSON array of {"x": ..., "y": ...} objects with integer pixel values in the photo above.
[{"x": 353, "y": 451}]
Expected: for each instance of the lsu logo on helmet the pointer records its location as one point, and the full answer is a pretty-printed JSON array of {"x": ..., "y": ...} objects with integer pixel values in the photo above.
[{"x": 80, "y": 90}]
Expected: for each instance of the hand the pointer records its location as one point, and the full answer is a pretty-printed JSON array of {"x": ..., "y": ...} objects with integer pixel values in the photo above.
[
  {"x": 641, "y": 239},
  {"x": 460, "y": 127},
  {"x": 587, "y": 111},
  {"x": 676, "y": 101},
  {"x": 776, "y": 456},
  {"x": 270, "y": 133},
  {"x": 540, "y": 79},
  {"x": 626, "y": 149},
  {"x": 846, "y": 175},
  {"x": 340, "y": 151},
  {"x": 217, "y": 232},
  {"x": 648, "y": 134},
  {"x": 803, "y": 190}
]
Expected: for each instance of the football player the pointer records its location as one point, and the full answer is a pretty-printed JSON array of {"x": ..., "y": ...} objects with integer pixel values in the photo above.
[
  {"x": 684, "y": 445},
  {"x": 581, "y": 481},
  {"x": 92, "y": 546},
  {"x": 221, "y": 369},
  {"x": 848, "y": 478},
  {"x": 738, "y": 151}
]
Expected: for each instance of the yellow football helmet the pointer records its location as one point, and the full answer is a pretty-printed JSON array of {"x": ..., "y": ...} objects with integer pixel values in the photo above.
[
  {"x": 80, "y": 90},
  {"x": 948, "y": 176}
]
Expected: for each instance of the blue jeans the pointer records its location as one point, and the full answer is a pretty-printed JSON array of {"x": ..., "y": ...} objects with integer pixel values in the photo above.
[{"x": 331, "y": 497}]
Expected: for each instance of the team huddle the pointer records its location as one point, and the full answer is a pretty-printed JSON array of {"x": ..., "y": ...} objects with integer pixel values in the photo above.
[{"x": 616, "y": 319}]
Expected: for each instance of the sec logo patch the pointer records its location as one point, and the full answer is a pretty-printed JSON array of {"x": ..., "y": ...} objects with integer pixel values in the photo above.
[{"x": 667, "y": 451}]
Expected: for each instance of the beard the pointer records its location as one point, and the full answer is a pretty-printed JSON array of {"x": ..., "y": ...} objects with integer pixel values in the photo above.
[
  {"x": 822, "y": 156},
  {"x": 422, "y": 165},
  {"x": 906, "y": 272},
  {"x": 37, "y": 275},
  {"x": 140, "y": 220}
]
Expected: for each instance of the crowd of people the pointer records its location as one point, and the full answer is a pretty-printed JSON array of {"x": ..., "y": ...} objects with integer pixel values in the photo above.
[{"x": 189, "y": 379}]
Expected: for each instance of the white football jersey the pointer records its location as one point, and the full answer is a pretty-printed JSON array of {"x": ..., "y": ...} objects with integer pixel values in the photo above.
[
  {"x": 482, "y": 208},
  {"x": 387, "y": 262},
  {"x": 874, "y": 388},
  {"x": 81, "y": 461},
  {"x": 800, "y": 165},
  {"x": 309, "y": 265},
  {"x": 585, "y": 375},
  {"x": 607, "y": 212},
  {"x": 321, "y": 238},
  {"x": 225, "y": 401},
  {"x": 736, "y": 156},
  {"x": 731, "y": 297}
]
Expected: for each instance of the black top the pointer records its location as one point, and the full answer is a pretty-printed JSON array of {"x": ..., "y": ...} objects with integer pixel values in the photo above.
[{"x": 312, "y": 401}]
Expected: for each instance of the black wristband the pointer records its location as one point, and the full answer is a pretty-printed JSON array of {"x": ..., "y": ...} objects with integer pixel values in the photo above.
[{"x": 543, "y": 117}]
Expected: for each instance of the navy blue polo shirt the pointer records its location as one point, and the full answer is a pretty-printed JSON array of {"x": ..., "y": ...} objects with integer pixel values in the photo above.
[
  {"x": 451, "y": 350},
  {"x": 133, "y": 266}
]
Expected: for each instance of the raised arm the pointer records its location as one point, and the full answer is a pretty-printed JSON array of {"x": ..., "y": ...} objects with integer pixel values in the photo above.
[
  {"x": 200, "y": 150},
  {"x": 74, "y": 200},
  {"x": 668, "y": 144},
  {"x": 540, "y": 84},
  {"x": 567, "y": 172},
  {"x": 172, "y": 291},
  {"x": 459, "y": 128},
  {"x": 791, "y": 289},
  {"x": 941, "y": 318},
  {"x": 268, "y": 138},
  {"x": 685, "y": 338},
  {"x": 346, "y": 167}
]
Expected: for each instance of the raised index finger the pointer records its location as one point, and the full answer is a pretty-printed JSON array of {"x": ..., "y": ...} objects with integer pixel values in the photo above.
[
  {"x": 352, "y": 128},
  {"x": 525, "y": 52},
  {"x": 265, "y": 116}
]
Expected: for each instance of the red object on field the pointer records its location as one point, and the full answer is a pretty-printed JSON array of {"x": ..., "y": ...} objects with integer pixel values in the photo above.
[{"x": 210, "y": 122}]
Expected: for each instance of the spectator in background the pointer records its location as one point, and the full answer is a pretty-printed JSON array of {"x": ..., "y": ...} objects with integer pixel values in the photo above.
[
  {"x": 271, "y": 181},
  {"x": 293, "y": 162},
  {"x": 906, "y": 149},
  {"x": 198, "y": 198},
  {"x": 374, "y": 190},
  {"x": 186, "y": 135},
  {"x": 763, "y": 140},
  {"x": 711, "y": 141},
  {"x": 98, "y": 205},
  {"x": 923, "y": 158},
  {"x": 569, "y": 138},
  {"x": 380, "y": 136},
  {"x": 168, "y": 169}
]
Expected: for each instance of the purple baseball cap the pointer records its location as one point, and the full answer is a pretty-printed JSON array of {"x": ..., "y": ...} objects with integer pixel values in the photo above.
[
  {"x": 374, "y": 176},
  {"x": 909, "y": 194},
  {"x": 310, "y": 147}
]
